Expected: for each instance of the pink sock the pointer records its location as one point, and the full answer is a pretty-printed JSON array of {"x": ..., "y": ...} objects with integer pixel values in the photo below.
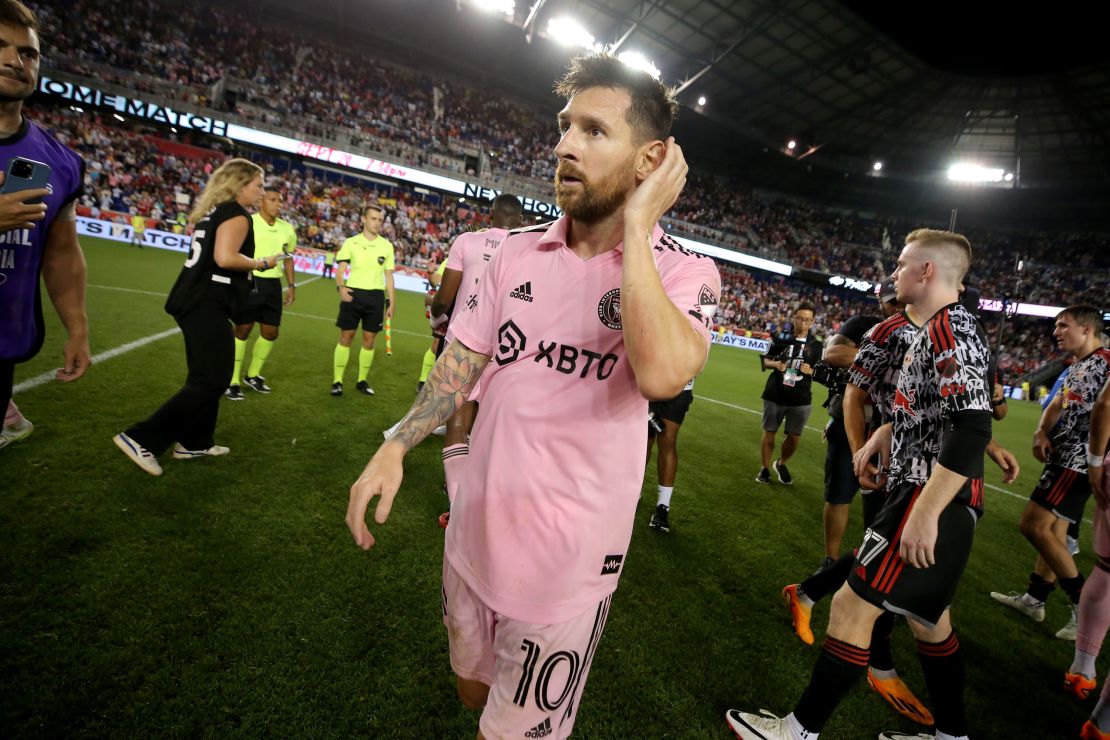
[
  {"x": 12, "y": 415},
  {"x": 1094, "y": 612},
  {"x": 454, "y": 458}
]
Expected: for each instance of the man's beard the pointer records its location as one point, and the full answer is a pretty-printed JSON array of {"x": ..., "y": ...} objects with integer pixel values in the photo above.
[
  {"x": 594, "y": 202},
  {"x": 10, "y": 98}
]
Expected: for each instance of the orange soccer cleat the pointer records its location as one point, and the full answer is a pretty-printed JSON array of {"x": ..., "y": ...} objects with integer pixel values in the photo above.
[
  {"x": 1090, "y": 731},
  {"x": 1080, "y": 685},
  {"x": 799, "y": 613},
  {"x": 899, "y": 696}
]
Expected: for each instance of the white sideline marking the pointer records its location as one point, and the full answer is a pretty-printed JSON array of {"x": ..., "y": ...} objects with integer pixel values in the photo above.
[
  {"x": 813, "y": 429},
  {"x": 129, "y": 290},
  {"x": 48, "y": 376}
]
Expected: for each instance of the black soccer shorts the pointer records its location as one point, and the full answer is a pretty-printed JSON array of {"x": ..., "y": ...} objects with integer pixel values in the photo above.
[
  {"x": 262, "y": 305},
  {"x": 675, "y": 409},
  {"x": 880, "y": 576},
  {"x": 368, "y": 307},
  {"x": 1062, "y": 491},
  {"x": 840, "y": 478}
]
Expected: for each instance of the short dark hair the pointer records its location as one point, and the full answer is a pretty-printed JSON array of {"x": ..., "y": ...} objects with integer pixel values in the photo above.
[
  {"x": 15, "y": 13},
  {"x": 654, "y": 106},
  {"x": 1084, "y": 315},
  {"x": 507, "y": 204},
  {"x": 805, "y": 306},
  {"x": 372, "y": 207}
]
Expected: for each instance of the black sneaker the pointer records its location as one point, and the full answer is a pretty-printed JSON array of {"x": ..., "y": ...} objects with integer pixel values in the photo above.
[
  {"x": 257, "y": 383},
  {"x": 660, "y": 520},
  {"x": 364, "y": 388},
  {"x": 764, "y": 476},
  {"x": 234, "y": 393},
  {"x": 783, "y": 473},
  {"x": 337, "y": 389}
]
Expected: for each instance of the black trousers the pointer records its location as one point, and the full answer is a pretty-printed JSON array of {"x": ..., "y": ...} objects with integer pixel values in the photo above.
[
  {"x": 189, "y": 417},
  {"x": 7, "y": 380}
]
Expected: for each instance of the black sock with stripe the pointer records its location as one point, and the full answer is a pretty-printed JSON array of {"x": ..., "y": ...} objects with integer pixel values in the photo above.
[
  {"x": 839, "y": 667},
  {"x": 1039, "y": 588},
  {"x": 942, "y": 664},
  {"x": 828, "y": 579},
  {"x": 881, "y": 659},
  {"x": 1072, "y": 587}
]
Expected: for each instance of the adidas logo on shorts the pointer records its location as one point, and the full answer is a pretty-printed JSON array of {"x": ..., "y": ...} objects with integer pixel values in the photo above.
[
  {"x": 523, "y": 292},
  {"x": 543, "y": 729}
]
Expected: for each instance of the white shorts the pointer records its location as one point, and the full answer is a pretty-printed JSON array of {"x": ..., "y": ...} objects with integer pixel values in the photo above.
[{"x": 536, "y": 672}]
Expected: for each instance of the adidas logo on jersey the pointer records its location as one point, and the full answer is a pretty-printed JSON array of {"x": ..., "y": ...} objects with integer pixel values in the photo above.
[
  {"x": 523, "y": 292},
  {"x": 543, "y": 729}
]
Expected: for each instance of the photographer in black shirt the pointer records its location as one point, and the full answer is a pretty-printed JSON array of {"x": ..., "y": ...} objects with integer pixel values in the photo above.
[{"x": 787, "y": 395}]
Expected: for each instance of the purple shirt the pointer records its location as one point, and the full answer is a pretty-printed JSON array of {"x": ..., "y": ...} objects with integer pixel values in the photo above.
[{"x": 21, "y": 250}]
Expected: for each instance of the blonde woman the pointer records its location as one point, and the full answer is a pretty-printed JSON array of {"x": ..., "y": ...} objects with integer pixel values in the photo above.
[{"x": 212, "y": 280}]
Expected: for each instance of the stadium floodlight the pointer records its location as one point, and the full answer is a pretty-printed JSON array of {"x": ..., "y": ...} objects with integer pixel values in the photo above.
[
  {"x": 508, "y": 7},
  {"x": 570, "y": 32},
  {"x": 701, "y": 100},
  {"x": 636, "y": 60},
  {"x": 791, "y": 145},
  {"x": 118, "y": 117},
  {"x": 877, "y": 166},
  {"x": 1009, "y": 177},
  {"x": 966, "y": 172}
]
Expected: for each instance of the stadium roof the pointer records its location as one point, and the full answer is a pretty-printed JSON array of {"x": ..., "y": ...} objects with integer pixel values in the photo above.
[{"x": 851, "y": 82}]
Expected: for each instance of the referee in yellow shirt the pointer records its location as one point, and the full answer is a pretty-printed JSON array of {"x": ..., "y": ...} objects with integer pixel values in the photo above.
[
  {"x": 362, "y": 296},
  {"x": 272, "y": 236}
]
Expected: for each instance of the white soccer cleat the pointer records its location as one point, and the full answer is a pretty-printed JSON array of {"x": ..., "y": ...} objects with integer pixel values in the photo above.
[
  {"x": 1067, "y": 632},
  {"x": 904, "y": 736},
  {"x": 139, "y": 455},
  {"x": 389, "y": 432},
  {"x": 762, "y": 726},
  {"x": 20, "y": 430},
  {"x": 1023, "y": 603},
  {"x": 180, "y": 453}
]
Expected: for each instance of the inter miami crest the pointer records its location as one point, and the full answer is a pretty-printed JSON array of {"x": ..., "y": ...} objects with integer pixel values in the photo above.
[{"x": 609, "y": 309}]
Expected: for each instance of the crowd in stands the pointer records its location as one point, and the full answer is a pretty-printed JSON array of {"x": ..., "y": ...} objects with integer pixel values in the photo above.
[
  {"x": 131, "y": 173},
  {"x": 284, "y": 77}
]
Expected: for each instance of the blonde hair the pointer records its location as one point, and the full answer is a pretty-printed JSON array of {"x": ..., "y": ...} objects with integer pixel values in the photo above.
[
  {"x": 225, "y": 183},
  {"x": 956, "y": 247}
]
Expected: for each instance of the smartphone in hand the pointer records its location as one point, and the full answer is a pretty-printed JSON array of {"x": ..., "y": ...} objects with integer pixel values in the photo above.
[{"x": 25, "y": 174}]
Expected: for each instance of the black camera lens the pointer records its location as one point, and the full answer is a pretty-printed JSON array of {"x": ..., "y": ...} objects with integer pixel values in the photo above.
[{"x": 22, "y": 170}]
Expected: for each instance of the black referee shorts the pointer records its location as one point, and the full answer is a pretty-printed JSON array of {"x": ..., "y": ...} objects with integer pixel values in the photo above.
[
  {"x": 367, "y": 307},
  {"x": 880, "y": 576},
  {"x": 675, "y": 409},
  {"x": 262, "y": 305}
]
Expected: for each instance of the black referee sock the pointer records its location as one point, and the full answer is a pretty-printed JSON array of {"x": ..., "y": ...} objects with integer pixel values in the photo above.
[
  {"x": 827, "y": 580},
  {"x": 942, "y": 664},
  {"x": 881, "y": 659},
  {"x": 1039, "y": 588},
  {"x": 1072, "y": 587},
  {"x": 839, "y": 667}
]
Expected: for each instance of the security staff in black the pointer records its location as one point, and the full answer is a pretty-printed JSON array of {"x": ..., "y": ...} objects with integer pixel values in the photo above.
[{"x": 202, "y": 301}]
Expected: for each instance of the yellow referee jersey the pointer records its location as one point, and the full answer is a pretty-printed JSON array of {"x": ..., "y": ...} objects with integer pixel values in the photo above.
[
  {"x": 270, "y": 239},
  {"x": 369, "y": 259}
]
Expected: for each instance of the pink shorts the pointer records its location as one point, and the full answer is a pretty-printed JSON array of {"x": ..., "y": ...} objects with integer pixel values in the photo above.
[{"x": 536, "y": 672}]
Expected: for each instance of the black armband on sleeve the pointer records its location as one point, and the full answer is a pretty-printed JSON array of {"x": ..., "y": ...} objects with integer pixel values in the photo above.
[{"x": 964, "y": 446}]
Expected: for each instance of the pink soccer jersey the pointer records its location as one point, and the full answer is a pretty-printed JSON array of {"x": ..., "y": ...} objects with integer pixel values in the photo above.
[
  {"x": 469, "y": 254},
  {"x": 545, "y": 509}
]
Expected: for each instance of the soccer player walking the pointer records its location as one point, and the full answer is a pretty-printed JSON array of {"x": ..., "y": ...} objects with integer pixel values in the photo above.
[
  {"x": 941, "y": 427},
  {"x": 1061, "y": 443},
  {"x": 272, "y": 236},
  {"x": 38, "y": 226},
  {"x": 618, "y": 314},
  {"x": 364, "y": 279},
  {"x": 211, "y": 282}
]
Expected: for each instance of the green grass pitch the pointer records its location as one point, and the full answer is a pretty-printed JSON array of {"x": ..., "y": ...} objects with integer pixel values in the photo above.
[{"x": 227, "y": 599}]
